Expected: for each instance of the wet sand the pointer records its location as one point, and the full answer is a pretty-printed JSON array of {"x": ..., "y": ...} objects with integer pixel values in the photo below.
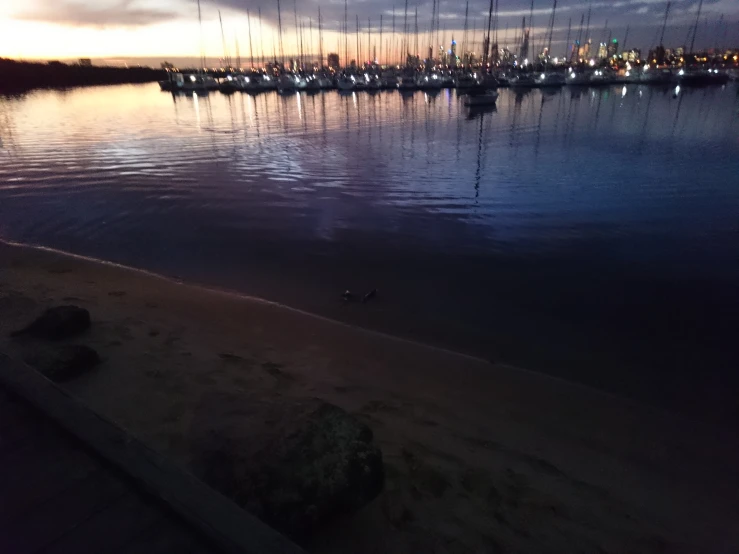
[{"x": 479, "y": 457}]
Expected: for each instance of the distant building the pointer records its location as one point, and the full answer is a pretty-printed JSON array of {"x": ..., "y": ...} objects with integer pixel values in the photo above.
[
  {"x": 85, "y": 62},
  {"x": 680, "y": 51},
  {"x": 585, "y": 50},
  {"x": 613, "y": 48},
  {"x": 633, "y": 55},
  {"x": 602, "y": 51},
  {"x": 333, "y": 61}
]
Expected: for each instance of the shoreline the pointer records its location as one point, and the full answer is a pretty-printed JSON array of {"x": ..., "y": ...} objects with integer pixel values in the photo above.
[
  {"x": 26, "y": 76},
  {"x": 380, "y": 335},
  {"x": 478, "y": 455}
]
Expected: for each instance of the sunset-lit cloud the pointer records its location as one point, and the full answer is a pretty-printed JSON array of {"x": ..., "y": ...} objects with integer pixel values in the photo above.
[{"x": 127, "y": 29}]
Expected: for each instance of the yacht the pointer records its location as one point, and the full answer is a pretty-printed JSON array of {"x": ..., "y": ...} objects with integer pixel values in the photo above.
[
  {"x": 523, "y": 80},
  {"x": 345, "y": 83},
  {"x": 488, "y": 98},
  {"x": 549, "y": 79},
  {"x": 429, "y": 81}
]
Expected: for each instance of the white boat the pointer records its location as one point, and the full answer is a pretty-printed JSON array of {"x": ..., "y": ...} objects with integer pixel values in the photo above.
[
  {"x": 488, "y": 98},
  {"x": 429, "y": 81},
  {"x": 192, "y": 82}
]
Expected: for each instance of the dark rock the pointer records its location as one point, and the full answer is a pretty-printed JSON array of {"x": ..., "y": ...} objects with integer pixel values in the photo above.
[
  {"x": 316, "y": 462},
  {"x": 58, "y": 323},
  {"x": 64, "y": 363}
]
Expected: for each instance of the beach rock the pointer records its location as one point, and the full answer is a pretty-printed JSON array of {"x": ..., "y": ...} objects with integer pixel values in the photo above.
[
  {"x": 64, "y": 363},
  {"x": 316, "y": 462},
  {"x": 58, "y": 323}
]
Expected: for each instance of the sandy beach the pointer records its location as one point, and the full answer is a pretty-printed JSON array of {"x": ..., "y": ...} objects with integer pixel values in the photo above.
[{"x": 478, "y": 457}]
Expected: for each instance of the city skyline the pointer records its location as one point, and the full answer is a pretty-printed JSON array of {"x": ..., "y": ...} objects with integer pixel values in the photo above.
[{"x": 130, "y": 31}]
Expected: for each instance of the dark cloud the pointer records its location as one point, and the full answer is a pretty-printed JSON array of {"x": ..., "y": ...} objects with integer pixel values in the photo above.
[
  {"x": 116, "y": 13},
  {"x": 643, "y": 18}
]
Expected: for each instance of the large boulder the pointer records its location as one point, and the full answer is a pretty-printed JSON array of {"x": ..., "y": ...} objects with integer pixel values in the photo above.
[
  {"x": 63, "y": 363},
  {"x": 58, "y": 323},
  {"x": 314, "y": 462}
]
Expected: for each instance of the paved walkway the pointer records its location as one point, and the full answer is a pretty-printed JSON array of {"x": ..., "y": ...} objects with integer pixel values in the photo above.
[{"x": 56, "y": 496}]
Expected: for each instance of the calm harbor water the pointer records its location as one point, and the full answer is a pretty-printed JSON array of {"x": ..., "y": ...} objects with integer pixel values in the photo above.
[{"x": 590, "y": 234}]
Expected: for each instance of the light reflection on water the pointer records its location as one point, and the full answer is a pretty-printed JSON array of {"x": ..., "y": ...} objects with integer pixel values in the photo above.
[{"x": 559, "y": 230}]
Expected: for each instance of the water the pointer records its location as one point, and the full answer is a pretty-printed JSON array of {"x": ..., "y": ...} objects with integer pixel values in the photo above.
[{"x": 592, "y": 235}]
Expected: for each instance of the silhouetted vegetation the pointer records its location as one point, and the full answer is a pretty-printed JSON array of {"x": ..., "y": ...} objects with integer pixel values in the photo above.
[{"x": 19, "y": 76}]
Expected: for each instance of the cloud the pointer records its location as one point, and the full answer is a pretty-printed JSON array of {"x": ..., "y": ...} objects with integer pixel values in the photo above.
[{"x": 99, "y": 13}]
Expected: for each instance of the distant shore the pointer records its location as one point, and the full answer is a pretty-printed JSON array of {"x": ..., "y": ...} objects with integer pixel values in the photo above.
[
  {"x": 479, "y": 457},
  {"x": 20, "y": 76}
]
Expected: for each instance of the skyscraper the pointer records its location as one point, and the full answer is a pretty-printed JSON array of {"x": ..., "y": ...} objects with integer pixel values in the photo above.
[{"x": 613, "y": 48}]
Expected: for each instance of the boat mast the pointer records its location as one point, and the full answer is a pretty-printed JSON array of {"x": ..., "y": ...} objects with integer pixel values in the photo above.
[
  {"x": 695, "y": 27},
  {"x": 431, "y": 32},
  {"x": 551, "y": 30},
  {"x": 369, "y": 40},
  {"x": 405, "y": 35},
  {"x": 626, "y": 37},
  {"x": 532, "y": 42},
  {"x": 486, "y": 40},
  {"x": 202, "y": 43},
  {"x": 298, "y": 35},
  {"x": 579, "y": 38},
  {"x": 223, "y": 39},
  {"x": 466, "y": 28},
  {"x": 279, "y": 30},
  {"x": 251, "y": 51},
  {"x": 415, "y": 42},
  {"x": 359, "y": 51},
  {"x": 320, "y": 37},
  {"x": 664, "y": 24},
  {"x": 587, "y": 28},
  {"x": 261, "y": 36},
  {"x": 346, "y": 36},
  {"x": 380, "y": 58},
  {"x": 569, "y": 34},
  {"x": 238, "y": 53}
]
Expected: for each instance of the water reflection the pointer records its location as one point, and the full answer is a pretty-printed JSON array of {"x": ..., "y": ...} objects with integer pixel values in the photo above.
[{"x": 590, "y": 205}]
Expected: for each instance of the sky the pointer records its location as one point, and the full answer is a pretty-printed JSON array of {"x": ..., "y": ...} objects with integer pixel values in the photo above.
[{"x": 150, "y": 31}]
